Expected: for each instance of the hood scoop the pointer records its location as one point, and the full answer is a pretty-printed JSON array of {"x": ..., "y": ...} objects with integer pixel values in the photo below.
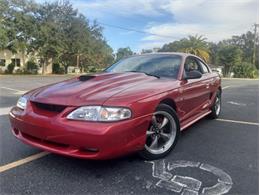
[{"x": 86, "y": 77}]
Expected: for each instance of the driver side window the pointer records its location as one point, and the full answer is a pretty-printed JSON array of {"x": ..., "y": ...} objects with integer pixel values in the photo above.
[{"x": 191, "y": 64}]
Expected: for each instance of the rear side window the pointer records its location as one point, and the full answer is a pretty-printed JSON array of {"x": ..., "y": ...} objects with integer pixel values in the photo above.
[
  {"x": 192, "y": 64},
  {"x": 203, "y": 66}
]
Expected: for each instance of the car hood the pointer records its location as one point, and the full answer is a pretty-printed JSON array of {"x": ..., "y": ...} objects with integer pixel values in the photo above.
[{"x": 96, "y": 89}]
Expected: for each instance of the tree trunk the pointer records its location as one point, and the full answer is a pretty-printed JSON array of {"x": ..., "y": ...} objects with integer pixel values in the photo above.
[
  {"x": 77, "y": 61},
  {"x": 43, "y": 65},
  {"x": 227, "y": 70},
  {"x": 23, "y": 60},
  {"x": 66, "y": 68}
]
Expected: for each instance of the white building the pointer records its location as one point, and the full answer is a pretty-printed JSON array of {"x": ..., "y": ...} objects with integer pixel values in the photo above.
[{"x": 20, "y": 60}]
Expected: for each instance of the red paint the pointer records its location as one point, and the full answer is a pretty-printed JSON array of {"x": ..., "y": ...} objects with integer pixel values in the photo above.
[{"x": 51, "y": 131}]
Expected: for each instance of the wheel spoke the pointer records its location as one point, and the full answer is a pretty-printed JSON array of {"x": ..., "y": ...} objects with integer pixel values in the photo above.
[
  {"x": 165, "y": 122},
  {"x": 149, "y": 133},
  {"x": 165, "y": 136},
  {"x": 154, "y": 121},
  {"x": 154, "y": 144},
  {"x": 161, "y": 134},
  {"x": 217, "y": 105}
]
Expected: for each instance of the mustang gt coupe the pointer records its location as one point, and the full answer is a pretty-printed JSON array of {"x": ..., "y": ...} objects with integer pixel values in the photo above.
[{"x": 139, "y": 104}]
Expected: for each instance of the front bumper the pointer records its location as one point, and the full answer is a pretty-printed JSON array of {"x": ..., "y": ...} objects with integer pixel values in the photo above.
[{"x": 89, "y": 140}]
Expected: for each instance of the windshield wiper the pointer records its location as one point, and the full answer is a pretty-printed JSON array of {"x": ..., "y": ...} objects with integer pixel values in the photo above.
[
  {"x": 144, "y": 73},
  {"x": 151, "y": 75}
]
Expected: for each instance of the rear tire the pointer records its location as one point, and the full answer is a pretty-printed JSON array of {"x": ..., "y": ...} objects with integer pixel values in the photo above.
[
  {"x": 216, "y": 108},
  {"x": 162, "y": 134}
]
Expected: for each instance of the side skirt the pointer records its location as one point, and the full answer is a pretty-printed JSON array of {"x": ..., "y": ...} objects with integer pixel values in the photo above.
[{"x": 194, "y": 119}]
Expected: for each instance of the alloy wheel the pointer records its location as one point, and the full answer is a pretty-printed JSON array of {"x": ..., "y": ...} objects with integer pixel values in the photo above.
[
  {"x": 217, "y": 105},
  {"x": 161, "y": 134}
]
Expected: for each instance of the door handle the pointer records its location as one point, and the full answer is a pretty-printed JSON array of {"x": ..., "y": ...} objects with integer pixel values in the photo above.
[{"x": 207, "y": 86}]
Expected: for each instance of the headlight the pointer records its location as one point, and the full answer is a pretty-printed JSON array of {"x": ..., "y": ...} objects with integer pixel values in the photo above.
[
  {"x": 100, "y": 113},
  {"x": 21, "y": 103}
]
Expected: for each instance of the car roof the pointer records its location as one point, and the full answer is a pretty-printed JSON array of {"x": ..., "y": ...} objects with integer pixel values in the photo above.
[{"x": 184, "y": 55}]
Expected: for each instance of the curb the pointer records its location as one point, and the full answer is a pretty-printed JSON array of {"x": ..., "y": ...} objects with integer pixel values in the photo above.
[{"x": 245, "y": 79}]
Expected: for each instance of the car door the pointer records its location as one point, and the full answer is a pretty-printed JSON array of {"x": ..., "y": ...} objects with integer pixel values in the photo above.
[
  {"x": 210, "y": 79},
  {"x": 195, "y": 93},
  {"x": 207, "y": 78}
]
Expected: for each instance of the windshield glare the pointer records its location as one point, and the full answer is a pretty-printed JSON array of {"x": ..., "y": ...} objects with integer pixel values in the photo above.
[{"x": 157, "y": 65}]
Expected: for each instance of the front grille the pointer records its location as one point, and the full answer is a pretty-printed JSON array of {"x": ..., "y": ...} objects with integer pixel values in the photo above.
[{"x": 49, "y": 107}]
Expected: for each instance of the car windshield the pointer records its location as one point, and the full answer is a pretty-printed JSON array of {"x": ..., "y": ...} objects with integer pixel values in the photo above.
[{"x": 154, "y": 65}]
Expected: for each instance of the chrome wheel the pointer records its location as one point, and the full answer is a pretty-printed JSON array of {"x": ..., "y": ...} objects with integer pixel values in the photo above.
[
  {"x": 217, "y": 105},
  {"x": 161, "y": 134}
]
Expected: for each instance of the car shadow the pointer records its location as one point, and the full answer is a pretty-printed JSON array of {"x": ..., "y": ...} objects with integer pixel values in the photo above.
[{"x": 97, "y": 164}]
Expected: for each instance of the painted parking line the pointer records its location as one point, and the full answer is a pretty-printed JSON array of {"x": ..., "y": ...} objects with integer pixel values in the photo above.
[
  {"x": 236, "y": 103},
  {"x": 5, "y": 111},
  {"x": 17, "y": 92},
  {"x": 225, "y": 87},
  {"x": 239, "y": 122},
  {"x": 22, "y": 161}
]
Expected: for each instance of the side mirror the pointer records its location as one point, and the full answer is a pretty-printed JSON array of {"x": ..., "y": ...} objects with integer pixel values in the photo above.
[{"x": 192, "y": 75}]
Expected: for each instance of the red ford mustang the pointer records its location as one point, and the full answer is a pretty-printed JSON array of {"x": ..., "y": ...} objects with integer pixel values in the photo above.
[{"x": 138, "y": 104}]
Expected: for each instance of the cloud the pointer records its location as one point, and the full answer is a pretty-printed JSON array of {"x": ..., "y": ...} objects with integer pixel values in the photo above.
[
  {"x": 103, "y": 8},
  {"x": 175, "y": 19},
  {"x": 217, "y": 11},
  {"x": 215, "y": 19}
]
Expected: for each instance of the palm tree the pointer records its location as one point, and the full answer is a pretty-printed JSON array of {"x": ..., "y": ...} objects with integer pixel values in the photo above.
[{"x": 196, "y": 45}]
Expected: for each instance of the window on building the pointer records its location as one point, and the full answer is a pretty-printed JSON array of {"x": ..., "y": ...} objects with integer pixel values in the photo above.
[
  {"x": 2, "y": 62},
  {"x": 16, "y": 61}
]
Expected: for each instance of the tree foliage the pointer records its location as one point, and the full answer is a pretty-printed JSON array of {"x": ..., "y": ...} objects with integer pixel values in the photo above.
[
  {"x": 123, "y": 53},
  {"x": 245, "y": 70},
  {"x": 229, "y": 53},
  {"x": 31, "y": 67},
  {"x": 196, "y": 45},
  {"x": 246, "y": 43},
  {"x": 54, "y": 31},
  {"x": 229, "y": 56}
]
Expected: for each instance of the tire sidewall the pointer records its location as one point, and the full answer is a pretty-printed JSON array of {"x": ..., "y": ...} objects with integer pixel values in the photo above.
[
  {"x": 150, "y": 156},
  {"x": 213, "y": 109}
]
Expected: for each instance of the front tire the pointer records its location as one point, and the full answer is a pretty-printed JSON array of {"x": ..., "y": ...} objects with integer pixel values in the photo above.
[
  {"x": 216, "y": 108},
  {"x": 162, "y": 134}
]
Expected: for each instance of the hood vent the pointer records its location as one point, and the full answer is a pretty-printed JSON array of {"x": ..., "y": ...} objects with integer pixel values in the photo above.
[{"x": 85, "y": 77}]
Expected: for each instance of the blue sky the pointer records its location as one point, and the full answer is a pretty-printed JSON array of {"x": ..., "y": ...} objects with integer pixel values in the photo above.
[{"x": 172, "y": 19}]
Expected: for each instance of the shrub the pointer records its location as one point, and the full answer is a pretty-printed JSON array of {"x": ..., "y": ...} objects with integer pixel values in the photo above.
[
  {"x": 10, "y": 68},
  {"x": 92, "y": 69},
  {"x": 31, "y": 67},
  {"x": 245, "y": 70},
  {"x": 19, "y": 71},
  {"x": 57, "y": 69},
  {"x": 2, "y": 70}
]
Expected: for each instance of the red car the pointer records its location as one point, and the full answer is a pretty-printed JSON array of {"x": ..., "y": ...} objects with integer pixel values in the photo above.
[{"x": 138, "y": 104}]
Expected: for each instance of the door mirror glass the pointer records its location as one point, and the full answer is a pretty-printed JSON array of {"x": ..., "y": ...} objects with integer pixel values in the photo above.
[{"x": 194, "y": 74}]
